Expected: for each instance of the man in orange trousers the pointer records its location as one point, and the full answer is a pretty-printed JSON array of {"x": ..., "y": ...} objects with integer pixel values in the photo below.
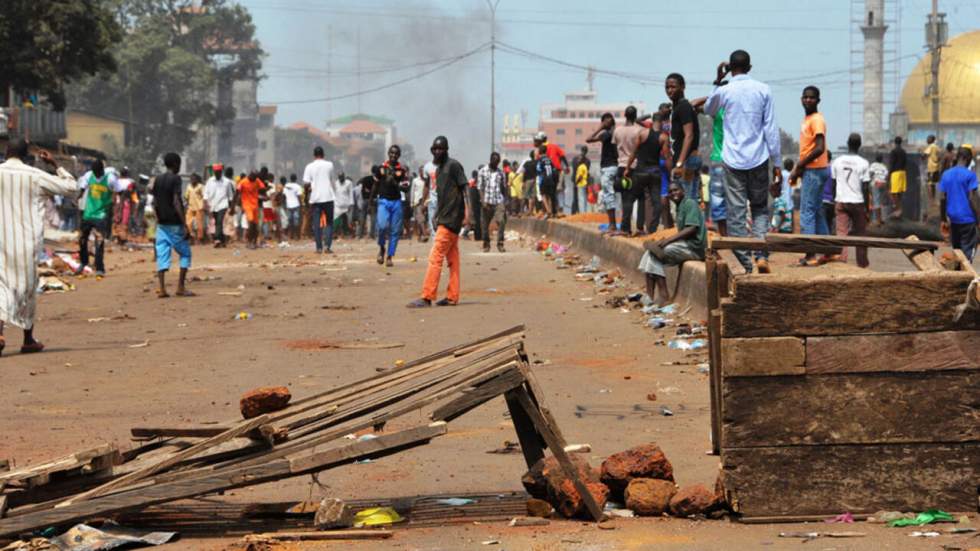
[{"x": 450, "y": 189}]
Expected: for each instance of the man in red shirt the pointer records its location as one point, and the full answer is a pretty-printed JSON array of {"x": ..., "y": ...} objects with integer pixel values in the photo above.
[{"x": 557, "y": 156}]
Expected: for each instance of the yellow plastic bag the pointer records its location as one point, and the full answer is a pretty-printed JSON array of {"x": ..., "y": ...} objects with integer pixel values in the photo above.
[{"x": 376, "y": 516}]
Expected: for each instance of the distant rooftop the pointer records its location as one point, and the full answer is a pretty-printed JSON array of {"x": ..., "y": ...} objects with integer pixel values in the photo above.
[{"x": 384, "y": 121}]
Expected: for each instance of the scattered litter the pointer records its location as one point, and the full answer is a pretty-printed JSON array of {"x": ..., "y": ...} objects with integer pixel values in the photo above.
[
  {"x": 363, "y": 461},
  {"x": 815, "y": 535},
  {"x": 960, "y": 530},
  {"x": 143, "y": 344},
  {"x": 704, "y": 369},
  {"x": 652, "y": 397},
  {"x": 338, "y": 307},
  {"x": 492, "y": 290},
  {"x": 918, "y": 534},
  {"x": 669, "y": 309},
  {"x": 83, "y": 537},
  {"x": 665, "y": 411},
  {"x": 376, "y": 516},
  {"x": 925, "y": 517},
  {"x": 634, "y": 297},
  {"x": 883, "y": 517},
  {"x": 845, "y": 518},
  {"x": 578, "y": 448},
  {"x": 490, "y": 542},
  {"x": 243, "y": 315},
  {"x": 605, "y": 391},
  {"x": 230, "y": 293},
  {"x": 455, "y": 501},
  {"x": 680, "y": 344},
  {"x": 52, "y": 284},
  {"x": 657, "y": 322},
  {"x": 586, "y": 299},
  {"x": 508, "y": 448}
]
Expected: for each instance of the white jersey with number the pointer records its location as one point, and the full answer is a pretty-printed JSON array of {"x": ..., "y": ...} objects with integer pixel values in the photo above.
[{"x": 849, "y": 171}]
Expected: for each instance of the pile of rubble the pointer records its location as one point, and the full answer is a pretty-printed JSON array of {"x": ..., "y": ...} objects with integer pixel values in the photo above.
[{"x": 641, "y": 478}]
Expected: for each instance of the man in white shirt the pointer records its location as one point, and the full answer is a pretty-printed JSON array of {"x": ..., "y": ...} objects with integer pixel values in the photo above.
[
  {"x": 344, "y": 202},
  {"x": 319, "y": 176},
  {"x": 293, "y": 192},
  {"x": 851, "y": 174},
  {"x": 880, "y": 201},
  {"x": 417, "y": 201},
  {"x": 219, "y": 193}
]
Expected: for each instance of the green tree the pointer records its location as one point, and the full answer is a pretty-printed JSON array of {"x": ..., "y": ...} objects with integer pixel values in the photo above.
[
  {"x": 170, "y": 62},
  {"x": 45, "y": 45}
]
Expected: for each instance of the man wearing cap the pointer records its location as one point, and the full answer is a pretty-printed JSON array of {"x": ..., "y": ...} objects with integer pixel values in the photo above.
[
  {"x": 451, "y": 186},
  {"x": 219, "y": 193}
]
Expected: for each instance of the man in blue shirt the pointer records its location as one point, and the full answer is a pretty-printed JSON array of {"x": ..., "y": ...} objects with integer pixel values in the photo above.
[
  {"x": 960, "y": 203},
  {"x": 751, "y": 141}
]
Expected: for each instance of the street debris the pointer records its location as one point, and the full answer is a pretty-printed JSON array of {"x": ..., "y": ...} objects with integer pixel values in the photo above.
[{"x": 815, "y": 535}]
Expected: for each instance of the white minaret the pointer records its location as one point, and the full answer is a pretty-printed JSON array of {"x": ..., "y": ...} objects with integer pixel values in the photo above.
[{"x": 873, "y": 26}]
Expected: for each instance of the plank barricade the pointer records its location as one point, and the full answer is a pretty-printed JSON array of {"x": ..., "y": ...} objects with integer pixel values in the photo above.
[
  {"x": 309, "y": 437},
  {"x": 862, "y": 398}
]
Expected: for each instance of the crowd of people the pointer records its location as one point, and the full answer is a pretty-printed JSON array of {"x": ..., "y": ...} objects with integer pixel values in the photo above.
[{"x": 650, "y": 174}]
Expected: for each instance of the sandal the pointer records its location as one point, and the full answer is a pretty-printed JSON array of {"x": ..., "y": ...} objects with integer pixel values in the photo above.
[
  {"x": 185, "y": 293},
  {"x": 32, "y": 348},
  {"x": 162, "y": 294}
]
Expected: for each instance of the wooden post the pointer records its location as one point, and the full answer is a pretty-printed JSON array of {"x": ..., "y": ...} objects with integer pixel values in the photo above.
[
  {"x": 547, "y": 433},
  {"x": 714, "y": 346},
  {"x": 532, "y": 445}
]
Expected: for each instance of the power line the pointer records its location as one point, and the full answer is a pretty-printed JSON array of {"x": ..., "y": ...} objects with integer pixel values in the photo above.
[{"x": 452, "y": 61}]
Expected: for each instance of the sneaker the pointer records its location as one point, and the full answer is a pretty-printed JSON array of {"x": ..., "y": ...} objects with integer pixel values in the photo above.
[
  {"x": 445, "y": 302},
  {"x": 420, "y": 303},
  {"x": 762, "y": 266}
]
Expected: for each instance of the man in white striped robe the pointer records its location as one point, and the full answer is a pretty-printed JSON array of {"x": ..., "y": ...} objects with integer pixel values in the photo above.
[{"x": 23, "y": 191}]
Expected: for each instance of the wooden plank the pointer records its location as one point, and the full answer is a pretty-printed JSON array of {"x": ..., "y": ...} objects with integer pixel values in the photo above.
[
  {"x": 853, "y": 408},
  {"x": 325, "y": 535},
  {"x": 532, "y": 443},
  {"x": 544, "y": 429},
  {"x": 762, "y": 356},
  {"x": 755, "y": 244},
  {"x": 36, "y": 475},
  {"x": 169, "y": 432},
  {"x": 479, "y": 395},
  {"x": 872, "y": 302},
  {"x": 938, "y": 351},
  {"x": 212, "y": 482},
  {"x": 735, "y": 267},
  {"x": 964, "y": 263},
  {"x": 711, "y": 270},
  {"x": 385, "y": 444},
  {"x": 537, "y": 396},
  {"x": 825, "y": 480},
  {"x": 923, "y": 259},
  {"x": 775, "y": 239},
  {"x": 136, "y": 476}
]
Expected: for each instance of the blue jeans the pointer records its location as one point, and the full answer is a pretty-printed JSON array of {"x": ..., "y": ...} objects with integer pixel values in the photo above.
[
  {"x": 582, "y": 198},
  {"x": 389, "y": 224},
  {"x": 812, "y": 220},
  {"x": 293, "y": 217},
  {"x": 745, "y": 190},
  {"x": 692, "y": 187},
  {"x": 432, "y": 215},
  {"x": 716, "y": 188},
  {"x": 316, "y": 209}
]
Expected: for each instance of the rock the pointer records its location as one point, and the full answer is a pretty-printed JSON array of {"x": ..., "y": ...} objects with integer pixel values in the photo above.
[
  {"x": 536, "y": 479},
  {"x": 644, "y": 461},
  {"x": 264, "y": 400},
  {"x": 333, "y": 513},
  {"x": 568, "y": 502},
  {"x": 721, "y": 499},
  {"x": 538, "y": 508},
  {"x": 692, "y": 500},
  {"x": 649, "y": 496}
]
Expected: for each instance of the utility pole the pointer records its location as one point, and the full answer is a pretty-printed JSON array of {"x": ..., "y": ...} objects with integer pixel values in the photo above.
[
  {"x": 936, "y": 31},
  {"x": 359, "y": 69},
  {"x": 329, "y": 67},
  {"x": 492, "y": 4}
]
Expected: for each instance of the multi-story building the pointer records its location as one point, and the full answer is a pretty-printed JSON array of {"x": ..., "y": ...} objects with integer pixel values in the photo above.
[{"x": 568, "y": 124}]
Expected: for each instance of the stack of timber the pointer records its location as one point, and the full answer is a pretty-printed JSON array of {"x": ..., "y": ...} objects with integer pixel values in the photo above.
[
  {"x": 853, "y": 392},
  {"x": 305, "y": 437}
]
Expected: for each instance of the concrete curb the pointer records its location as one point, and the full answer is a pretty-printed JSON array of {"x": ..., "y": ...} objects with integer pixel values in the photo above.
[{"x": 688, "y": 284}]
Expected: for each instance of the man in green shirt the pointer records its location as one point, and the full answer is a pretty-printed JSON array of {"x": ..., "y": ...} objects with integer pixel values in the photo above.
[
  {"x": 687, "y": 244},
  {"x": 99, "y": 191}
]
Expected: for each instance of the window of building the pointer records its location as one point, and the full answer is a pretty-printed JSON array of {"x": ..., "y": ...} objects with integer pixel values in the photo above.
[
  {"x": 578, "y": 131},
  {"x": 560, "y": 131}
]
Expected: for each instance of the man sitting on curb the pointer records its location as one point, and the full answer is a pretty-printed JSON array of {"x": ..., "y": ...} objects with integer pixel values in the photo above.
[{"x": 687, "y": 244}]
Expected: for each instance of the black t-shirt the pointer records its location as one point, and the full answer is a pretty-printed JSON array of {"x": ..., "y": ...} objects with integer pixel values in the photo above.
[
  {"x": 608, "y": 156},
  {"x": 367, "y": 185},
  {"x": 530, "y": 170},
  {"x": 450, "y": 188},
  {"x": 394, "y": 180},
  {"x": 682, "y": 114},
  {"x": 167, "y": 188},
  {"x": 898, "y": 159}
]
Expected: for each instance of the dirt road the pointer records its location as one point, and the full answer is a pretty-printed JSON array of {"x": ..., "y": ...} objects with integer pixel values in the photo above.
[{"x": 597, "y": 365}]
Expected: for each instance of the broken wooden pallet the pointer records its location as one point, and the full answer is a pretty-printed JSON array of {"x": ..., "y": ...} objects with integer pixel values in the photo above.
[{"x": 446, "y": 385}]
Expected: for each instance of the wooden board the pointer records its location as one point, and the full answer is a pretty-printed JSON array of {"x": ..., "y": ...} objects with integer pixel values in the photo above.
[
  {"x": 734, "y": 266},
  {"x": 937, "y": 351},
  {"x": 217, "y": 481},
  {"x": 851, "y": 408},
  {"x": 826, "y": 480},
  {"x": 762, "y": 356},
  {"x": 755, "y": 244},
  {"x": 905, "y": 302},
  {"x": 775, "y": 239},
  {"x": 479, "y": 395}
]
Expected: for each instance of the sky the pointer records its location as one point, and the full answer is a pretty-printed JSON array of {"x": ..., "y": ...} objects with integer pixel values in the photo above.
[{"x": 439, "y": 48}]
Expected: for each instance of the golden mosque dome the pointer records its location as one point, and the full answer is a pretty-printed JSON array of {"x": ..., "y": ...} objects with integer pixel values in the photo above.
[{"x": 959, "y": 84}]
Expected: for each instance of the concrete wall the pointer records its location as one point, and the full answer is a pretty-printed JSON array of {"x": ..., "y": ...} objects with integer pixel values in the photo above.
[{"x": 93, "y": 132}]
